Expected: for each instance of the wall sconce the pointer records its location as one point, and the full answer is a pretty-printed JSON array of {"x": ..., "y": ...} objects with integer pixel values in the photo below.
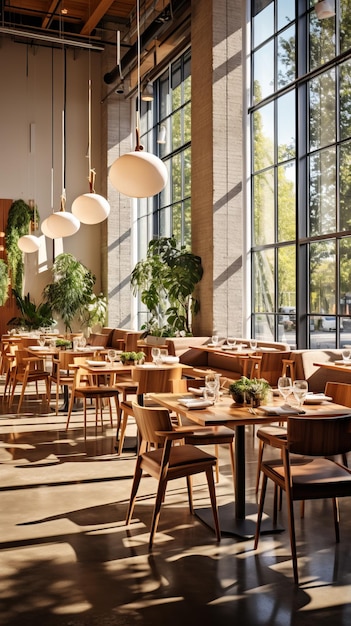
[
  {"x": 325, "y": 9},
  {"x": 148, "y": 93},
  {"x": 162, "y": 135}
]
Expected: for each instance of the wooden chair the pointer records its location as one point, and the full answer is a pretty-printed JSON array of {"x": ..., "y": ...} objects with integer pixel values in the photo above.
[
  {"x": 167, "y": 462},
  {"x": 62, "y": 375},
  {"x": 209, "y": 435},
  {"x": 85, "y": 391},
  {"x": 308, "y": 474},
  {"x": 288, "y": 368},
  {"x": 27, "y": 369},
  {"x": 148, "y": 379}
]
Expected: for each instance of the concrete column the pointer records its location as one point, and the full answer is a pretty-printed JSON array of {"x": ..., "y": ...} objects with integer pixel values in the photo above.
[{"x": 217, "y": 162}]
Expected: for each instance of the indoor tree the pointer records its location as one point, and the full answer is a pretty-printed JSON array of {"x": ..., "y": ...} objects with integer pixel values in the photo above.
[
  {"x": 71, "y": 293},
  {"x": 166, "y": 280}
]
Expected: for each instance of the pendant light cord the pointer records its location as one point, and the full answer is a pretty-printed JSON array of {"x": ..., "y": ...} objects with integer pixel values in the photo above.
[{"x": 138, "y": 147}]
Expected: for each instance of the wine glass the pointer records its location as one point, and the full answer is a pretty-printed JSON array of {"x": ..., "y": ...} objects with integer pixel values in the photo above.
[
  {"x": 346, "y": 355},
  {"x": 231, "y": 341},
  {"x": 285, "y": 387},
  {"x": 156, "y": 355},
  {"x": 253, "y": 344},
  {"x": 300, "y": 390},
  {"x": 41, "y": 341},
  {"x": 111, "y": 355},
  {"x": 215, "y": 340},
  {"x": 212, "y": 383}
]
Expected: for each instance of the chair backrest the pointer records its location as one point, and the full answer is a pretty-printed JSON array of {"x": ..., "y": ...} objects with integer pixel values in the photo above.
[
  {"x": 271, "y": 366},
  {"x": 340, "y": 392},
  {"x": 156, "y": 379},
  {"x": 319, "y": 436},
  {"x": 149, "y": 420}
]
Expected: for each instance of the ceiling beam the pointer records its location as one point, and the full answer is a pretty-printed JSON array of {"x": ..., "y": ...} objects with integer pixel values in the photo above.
[{"x": 96, "y": 16}]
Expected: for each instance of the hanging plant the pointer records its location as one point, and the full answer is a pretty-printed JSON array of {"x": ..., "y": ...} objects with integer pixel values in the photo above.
[
  {"x": 4, "y": 282},
  {"x": 19, "y": 218}
]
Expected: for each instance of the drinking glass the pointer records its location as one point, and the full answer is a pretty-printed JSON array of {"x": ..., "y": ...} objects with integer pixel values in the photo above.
[
  {"x": 253, "y": 344},
  {"x": 300, "y": 390},
  {"x": 212, "y": 383},
  {"x": 215, "y": 340},
  {"x": 156, "y": 354},
  {"x": 231, "y": 342},
  {"x": 111, "y": 355},
  {"x": 163, "y": 353},
  {"x": 346, "y": 355},
  {"x": 285, "y": 387},
  {"x": 41, "y": 341}
]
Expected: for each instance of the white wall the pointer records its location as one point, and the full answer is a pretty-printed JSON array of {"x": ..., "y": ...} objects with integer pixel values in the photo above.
[{"x": 25, "y": 170}]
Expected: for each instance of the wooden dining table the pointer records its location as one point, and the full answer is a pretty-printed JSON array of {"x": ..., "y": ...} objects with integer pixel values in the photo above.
[{"x": 241, "y": 521}]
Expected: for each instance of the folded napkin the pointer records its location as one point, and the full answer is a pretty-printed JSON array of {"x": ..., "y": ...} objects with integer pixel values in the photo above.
[
  {"x": 97, "y": 363},
  {"x": 343, "y": 362},
  {"x": 282, "y": 410},
  {"x": 317, "y": 398},
  {"x": 192, "y": 403},
  {"x": 197, "y": 391}
]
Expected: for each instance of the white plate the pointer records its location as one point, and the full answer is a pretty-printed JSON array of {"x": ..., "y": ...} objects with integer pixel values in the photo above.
[
  {"x": 97, "y": 363},
  {"x": 342, "y": 362},
  {"x": 317, "y": 398},
  {"x": 226, "y": 347},
  {"x": 38, "y": 348}
]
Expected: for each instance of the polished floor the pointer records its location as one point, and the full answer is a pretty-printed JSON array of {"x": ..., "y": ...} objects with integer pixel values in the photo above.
[{"x": 67, "y": 558}]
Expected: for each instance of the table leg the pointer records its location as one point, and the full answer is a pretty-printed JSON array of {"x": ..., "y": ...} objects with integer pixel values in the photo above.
[{"x": 241, "y": 520}]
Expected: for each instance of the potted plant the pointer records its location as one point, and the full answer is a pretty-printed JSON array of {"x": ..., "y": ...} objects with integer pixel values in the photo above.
[
  {"x": 33, "y": 316},
  {"x": 70, "y": 293},
  {"x": 131, "y": 358},
  {"x": 166, "y": 281},
  {"x": 249, "y": 390}
]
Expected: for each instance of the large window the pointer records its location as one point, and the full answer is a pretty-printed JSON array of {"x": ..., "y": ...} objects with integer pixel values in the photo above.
[
  {"x": 165, "y": 125},
  {"x": 300, "y": 178}
]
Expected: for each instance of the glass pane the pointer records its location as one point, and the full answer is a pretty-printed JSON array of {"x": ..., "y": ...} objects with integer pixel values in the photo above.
[
  {"x": 285, "y": 127},
  {"x": 322, "y": 40},
  {"x": 263, "y": 208},
  {"x": 285, "y": 12},
  {"x": 176, "y": 178},
  {"x": 286, "y": 57},
  {"x": 187, "y": 172},
  {"x": 322, "y": 278},
  {"x": 263, "y": 137},
  {"x": 344, "y": 25},
  {"x": 187, "y": 224},
  {"x": 176, "y": 130},
  {"x": 187, "y": 122},
  {"x": 263, "y": 326},
  {"x": 322, "y": 203},
  {"x": 345, "y": 283},
  {"x": 164, "y": 223},
  {"x": 262, "y": 22},
  {"x": 322, "y": 110},
  {"x": 345, "y": 186},
  {"x": 345, "y": 100},
  {"x": 263, "y": 72},
  {"x": 286, "y": 202},
  {"x": 264, "y": 276},
  {"x": 165, "y": 195},
  {"x": 287, "y": 283},
  {"x": 177, "y": 222}
]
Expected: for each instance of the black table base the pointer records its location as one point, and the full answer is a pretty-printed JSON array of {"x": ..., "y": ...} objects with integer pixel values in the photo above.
[{"x": 243, "y": 528}]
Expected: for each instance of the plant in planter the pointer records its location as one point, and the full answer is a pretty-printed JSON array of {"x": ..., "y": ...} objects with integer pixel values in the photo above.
[
  {"x": 129, "y": 358},
  {"x": 166, "y": 281},
  {"x": 94, "y": 313},
  {"x": 33, "y": 316},
  {"x": 19, "y": 218},
  {"x": 249, "y": 390},
  {"x": 4, "y": 282},
  {"x": 70, "y": 293}
]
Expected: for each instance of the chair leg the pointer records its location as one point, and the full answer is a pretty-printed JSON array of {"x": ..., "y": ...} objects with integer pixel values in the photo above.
[
  {"x": 137, "y": 476},
  {"x": 157, "y": 508},
  {"x": 259, "y": 461},
  {"x": 290, "y": 509},
  {"x": 212, "y": 491},
  {"x": 336, "y": 519},
  {"x": 122, "y": 432},
  {"x": 260, "y": 511},
  {"x": 189, "y": 484},
  {"x": 217, "y": 462}
]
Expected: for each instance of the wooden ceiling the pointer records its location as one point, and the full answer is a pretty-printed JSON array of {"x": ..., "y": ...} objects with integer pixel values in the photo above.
[{"x": 94, "y": 23}]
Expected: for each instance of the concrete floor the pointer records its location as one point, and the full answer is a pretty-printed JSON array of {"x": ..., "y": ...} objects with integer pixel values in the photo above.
[{"x": 67, "y": 557}]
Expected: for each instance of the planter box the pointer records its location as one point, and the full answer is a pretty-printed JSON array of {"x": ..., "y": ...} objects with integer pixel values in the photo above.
[{"x": 151, "y": 340}]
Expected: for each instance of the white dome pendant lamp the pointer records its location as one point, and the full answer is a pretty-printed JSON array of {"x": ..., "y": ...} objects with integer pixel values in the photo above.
[
  {"x": 90, "y": 208},
  {"x": 138, "y": 174},
  {"x": 30, "y": 243}
]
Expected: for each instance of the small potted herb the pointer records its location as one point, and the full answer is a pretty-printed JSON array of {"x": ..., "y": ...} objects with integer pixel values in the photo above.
[
  {"x": 249, "y": 390},
  {"x": 131, "y": 358}
]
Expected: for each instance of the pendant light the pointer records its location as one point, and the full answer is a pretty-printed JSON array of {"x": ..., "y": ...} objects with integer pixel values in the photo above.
[
  {"x": 138, "y": 174},
  {"x": 91, "y": 208},
  {"x": 60, "y": 223},
  {"x": 30, "y": 243}
]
